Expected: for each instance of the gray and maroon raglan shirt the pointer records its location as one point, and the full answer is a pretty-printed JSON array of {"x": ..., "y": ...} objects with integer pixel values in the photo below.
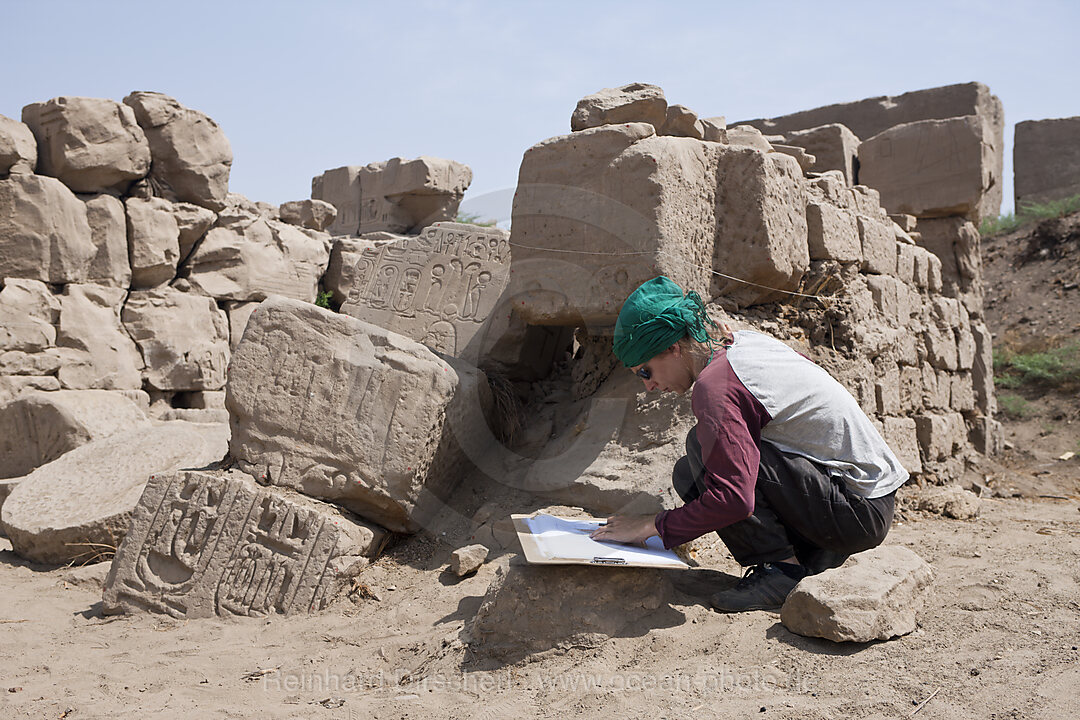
[{"x": 760, "y": 389}]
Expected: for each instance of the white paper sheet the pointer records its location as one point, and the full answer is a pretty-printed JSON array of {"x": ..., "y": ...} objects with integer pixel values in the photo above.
[{"x": 568, "y": 539}]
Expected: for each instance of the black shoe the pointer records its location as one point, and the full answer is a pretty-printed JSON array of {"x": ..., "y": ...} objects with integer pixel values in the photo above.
[{"x": 763, "y": 587}]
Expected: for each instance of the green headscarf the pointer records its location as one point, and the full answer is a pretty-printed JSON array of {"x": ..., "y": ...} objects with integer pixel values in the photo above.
[{"x": 655, "y": 317}]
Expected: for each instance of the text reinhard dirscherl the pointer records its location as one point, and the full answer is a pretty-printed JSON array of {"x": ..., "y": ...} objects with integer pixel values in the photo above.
[{"x": 720, "y": 680}]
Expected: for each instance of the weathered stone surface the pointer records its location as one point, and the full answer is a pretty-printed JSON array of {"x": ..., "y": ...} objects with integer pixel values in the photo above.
[
  {"x": 192, "y": 222},
  {"x": 832, "y": 233},
  {"x": 153, "y": 241},
  {"x": 633, "y": 103},
  {"x": 466, "y": 560},
  {"x": 13, "y": 386},
  {"x": 86, "y": 496},
  {"x": 761, "y": 232},
  {"x": 714, "y": 129},
  {"x": 19, "y": 362},
  {"x": 111, "y": 264},
  {"x": 437, "y": 288},
  {"x": 1046, "y": 160},
  {"x": 952, "y": 501},
  {"x": 681, "y": 121},
  {"x": 956, "y": 243},
  {"x": 807, "y": 162},
  {"x": 313, "y": 214},
  {"x": 183, "y": 338},
  {"x": 875, "y": 595},
  {"x": 931, "y": 168},
  {"x": 645, "y": 203},
  {"x": 239, "y": 313},
  {"x": 191, "y": 155},
  {"x": 902, "y": 437},
  {"x": 878, "y": 246},
  {"x": 532, "y": 608},
  {"x": 257, "y": 550},
  {"x": 746, "y": 136},
  {"x": 44, "y": 233},
  {"x": 37, "y": 428},
  {"x": 940, "y": 435},
  {"x": 982, "y": 368},
  {"x": 833, "y": 146},
  {"x": 396, "y": 195},
  {"x": 97, "y": 352},
  {"x": 345, "y": 257},
  {"x": 6, "y": 486},
  {"x": 91, "y": 144},
  {"x": 346, "y": 411},
  {"x": 18, "y": 148},
  {"x": 28, "y": 313},
  {"x": 253, "y": 257}
]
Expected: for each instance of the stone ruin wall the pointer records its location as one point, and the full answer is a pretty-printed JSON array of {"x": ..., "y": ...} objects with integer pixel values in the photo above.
[{"x": 1046, "y": 160}]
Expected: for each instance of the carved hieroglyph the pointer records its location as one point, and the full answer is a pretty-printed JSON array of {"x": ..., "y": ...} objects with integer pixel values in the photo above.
[
  {"x": 203, "y": 543},
  {"x": 437, "y": 288},
  {"x": 342, "y": 410}
]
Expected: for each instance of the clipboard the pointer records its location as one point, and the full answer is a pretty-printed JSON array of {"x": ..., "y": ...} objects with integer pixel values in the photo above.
[{"x": 552, "y": 540}]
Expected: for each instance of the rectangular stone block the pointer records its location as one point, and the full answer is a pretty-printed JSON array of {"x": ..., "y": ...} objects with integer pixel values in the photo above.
[
  {"x": 956, "y": 244},
  {"x": 211, "y": 543},
  {"x": 920, "y": 266},
  {"x": 986, "y": 435},
  {"x": 1046, "y": 160},
  {"x": 901, "y": 435},
  {"x": 341, "y": 188},
  {"x": 834, "y": 146},
  {"x": 887, "y": 387},
  {"x": 962, "y": 396},
  {"x": 982, "y": 369},
  {"x": 438, "y": 288},
  {"x": 600, "y": 211},
  {"x": 941, "y": 347},
  {"x": 911, "y": 389},
  {"x": 940, "y": 435},
  {"x": 832, "y": 233},
  {"x": 878, "y": 246},
  {"x": 342, "y": 410},
  {"x": 905, "y": 263}
]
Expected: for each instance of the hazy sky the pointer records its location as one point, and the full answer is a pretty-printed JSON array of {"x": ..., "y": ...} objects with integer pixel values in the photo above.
[{"x": 303, "y": 87}]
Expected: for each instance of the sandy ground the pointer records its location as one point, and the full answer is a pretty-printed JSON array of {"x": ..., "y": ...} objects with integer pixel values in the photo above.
[{"x": 998, "y": 640}]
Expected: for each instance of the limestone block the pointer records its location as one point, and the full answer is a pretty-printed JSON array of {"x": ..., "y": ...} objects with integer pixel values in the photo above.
[
  {"x": 807, "y": 162},
  {"x": 714, "y": 129},
  {"x": 830, "y": 186},
  {"x": 911, "y": 388},
  {"x": 887, "y": 386},
  {"x": 340, "y": 187},
  {"x": 875, "y": 595},
  {"x": 254, "y": 258},
  {"x": 931, "y": 168},
  {"x": 92, "y": 145},
  {"x": 615, "y": 190},
  {"x": 1046, "y": 160},
  {"x": 761, "y": 234},
  {"x": 633, "y": 103},
  {"x": 44, "y": 233},
  {"x": 940, "y": 435},
  {"x": 438, "y": 288},
  {"x": 465, "y": 561},
  {"x": 183, "y": 338},
  {"x": 343, "y": 410},
  {"x": 833, "y": 145},
  {"x": 941, "y": 347},
  {"x": 346, "y": 255},
  {"x": 195, "y": 415},
  {"x": 37, "y": 428},
  {"x": 108, "y": 231},
  {"x": 961, "y": 394},
  {"x": 905, "y": 263},
  {"x": 28, "y": 312},
  {"x": 153, "y": 241},
  {"x": 238, "y": 313},
  {"x": 258, "y": 550},
  {"x": 920, "y": 265},
  {"x": 681, "y": 121},
  {"x": 313, "y": 214},
  {"x": 905, "y": 222},
  {"x": 192, "y": 222},
  {"x": 18, "y": 148},
  {"x": 191, "y": 155},
  {"x": 884, "y": 290},
  {"x": 867, "y": 201},
  {"x": 987, "y": 435},
  {"x": 878, "y": 246},
  {"x": 982, "y": 368},
  {"x": 97, "y": 352},
  {"x": 951, "y": 501},
  {"x": 512, "y": 621},
  {"x": 747, "y": 137},
  {"x": 19, "y": 362},
  {"x": 902, "y": 438},
  {"x": 956, "y": 243},
  {"x": 965, "y": 349},
  {"x": 87, "y": 495},
  {"x": 933, "y": 273},
  {"x": 13, "y": 386}
]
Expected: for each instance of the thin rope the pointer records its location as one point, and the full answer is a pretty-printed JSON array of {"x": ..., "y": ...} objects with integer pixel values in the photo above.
[{"x": 675, "y": 257}]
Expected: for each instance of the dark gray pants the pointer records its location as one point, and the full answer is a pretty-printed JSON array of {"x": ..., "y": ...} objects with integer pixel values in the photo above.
[{"x": 798, "y": 511}]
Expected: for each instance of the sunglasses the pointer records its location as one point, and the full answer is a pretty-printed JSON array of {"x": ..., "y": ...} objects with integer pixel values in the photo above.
[{"x": 644, "y": 373}]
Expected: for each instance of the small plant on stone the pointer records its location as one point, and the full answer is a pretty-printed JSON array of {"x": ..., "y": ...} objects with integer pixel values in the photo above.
[{"x": 323, "y": 299}]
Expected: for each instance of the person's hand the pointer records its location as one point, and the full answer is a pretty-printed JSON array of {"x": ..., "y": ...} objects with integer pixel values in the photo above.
[{"x": 629, "y": 529}]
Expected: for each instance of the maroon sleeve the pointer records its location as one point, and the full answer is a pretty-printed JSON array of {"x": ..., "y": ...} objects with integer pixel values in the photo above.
[{"x": 729, "y": 426}]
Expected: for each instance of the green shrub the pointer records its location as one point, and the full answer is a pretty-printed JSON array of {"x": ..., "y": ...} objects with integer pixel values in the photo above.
[
  {"x": 473, "y": 219},
  {"x": 1057, "y": 368},
  {"x": 1014, "y": 406},
  {"x": 323, "y": 299},
  {"x": 1029, "y": 213}
]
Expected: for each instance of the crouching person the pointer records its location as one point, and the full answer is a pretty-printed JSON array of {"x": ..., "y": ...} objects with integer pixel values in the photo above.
[{"x": 783, "y": 464}]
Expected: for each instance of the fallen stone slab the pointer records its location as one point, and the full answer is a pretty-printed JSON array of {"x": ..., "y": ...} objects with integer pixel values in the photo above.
[
  {"x": 37, "y": 428},
  {"x": 632, "y": 103},
  {"x": 681, "y": 121},
  {"x": 875, "y": 595},
  {"x": 312, "y": 214},
  {"x": 90, "y": 144},
  {"x": 18, "y": 148},
  {"x": 952, "y": 501},
  {"x": 81, "y": 503},
  {"x": 44, "y": 232},
  {"x": 466, "y": 560},
  {"x": 217, "y": 543},
  {"x": 191, "y": 155},
  {"x": 532, "y": 608},
  {"x": 345, "y": 411}
]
